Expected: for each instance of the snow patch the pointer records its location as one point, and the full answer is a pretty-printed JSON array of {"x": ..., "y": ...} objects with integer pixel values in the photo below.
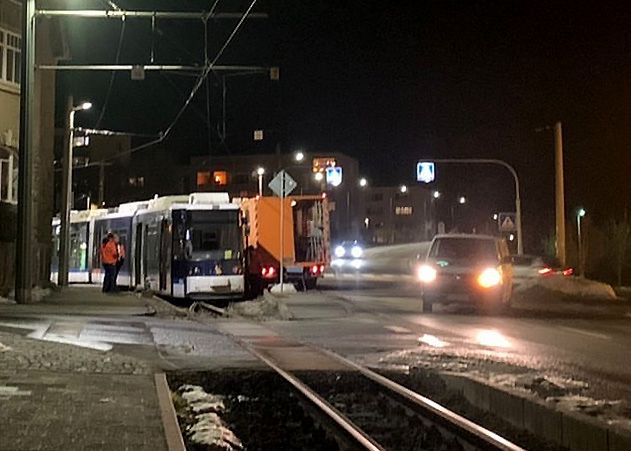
[
  {"x": 269, "y": 307},
  {"x": 207, "y": 427},
  {"x": 571, "y": 286},
  {"x": 4, "y": 348}
]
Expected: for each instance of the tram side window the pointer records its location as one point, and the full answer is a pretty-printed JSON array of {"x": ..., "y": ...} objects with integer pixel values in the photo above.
[
  {"x": 78, "y": 247},
  {"x": 152, "y": 246}
]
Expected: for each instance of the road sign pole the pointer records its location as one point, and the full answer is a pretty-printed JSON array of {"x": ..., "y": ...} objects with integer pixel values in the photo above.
[
  {"x": 282, "y": 228},
  {"x": 520, "y": 243}
]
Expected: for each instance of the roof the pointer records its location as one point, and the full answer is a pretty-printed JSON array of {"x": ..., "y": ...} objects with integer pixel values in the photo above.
[{"x": 466, "y": 236}]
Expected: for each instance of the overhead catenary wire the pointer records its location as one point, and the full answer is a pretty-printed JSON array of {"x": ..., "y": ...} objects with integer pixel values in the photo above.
[
  {"x": 196, "y": 86},
  {"x": 113, "y": 74}
]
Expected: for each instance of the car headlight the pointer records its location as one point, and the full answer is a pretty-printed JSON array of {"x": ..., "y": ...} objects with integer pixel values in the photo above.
[
  {"x": 340, "y": 251},
  {"x": 426, "y": 274},
  {"x": 356, "y": 251},
  {"x": 490, "y": 277}
]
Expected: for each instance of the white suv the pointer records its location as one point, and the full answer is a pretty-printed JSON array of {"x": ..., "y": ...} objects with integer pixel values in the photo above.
[{"x": 473, "y": 269}]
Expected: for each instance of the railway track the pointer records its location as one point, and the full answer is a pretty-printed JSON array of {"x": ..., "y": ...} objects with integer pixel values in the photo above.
[{"x": 365, "y": 410}]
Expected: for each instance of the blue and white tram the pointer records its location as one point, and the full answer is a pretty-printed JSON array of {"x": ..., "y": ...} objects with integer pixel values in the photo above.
[
  {"x": 190, "y": 247},
  {"x": 81, "y": 242}
]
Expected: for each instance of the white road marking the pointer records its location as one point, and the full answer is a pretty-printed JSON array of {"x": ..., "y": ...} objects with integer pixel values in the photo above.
[
  {"x": 587, "y": 332},
  {"x": 398, "y": 329}
]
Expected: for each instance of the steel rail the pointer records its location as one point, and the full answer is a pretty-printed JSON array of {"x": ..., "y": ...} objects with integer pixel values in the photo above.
[
  {"x": 473, "y": 431},
  {"x": 351, "y": 429}
]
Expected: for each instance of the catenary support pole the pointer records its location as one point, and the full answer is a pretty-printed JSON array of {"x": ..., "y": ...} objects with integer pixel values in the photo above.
[
  {"x": 24, "y": 239},
  {"x": 66, "y": 198},
  {"x": 559, "y": 194}
]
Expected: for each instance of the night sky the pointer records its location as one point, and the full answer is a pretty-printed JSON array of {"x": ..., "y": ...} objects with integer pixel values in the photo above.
[{"x": 389, "y": 83}]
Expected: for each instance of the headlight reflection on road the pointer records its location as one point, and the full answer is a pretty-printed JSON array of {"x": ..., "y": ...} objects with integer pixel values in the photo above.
[
  {"x": 492, "y": 339},
  {"x": 432, "y": 341}
]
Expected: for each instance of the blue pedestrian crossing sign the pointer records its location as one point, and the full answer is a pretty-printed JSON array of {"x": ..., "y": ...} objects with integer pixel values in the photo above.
[
  {"x": 334, "y": 175},
  {"x": 425, "y": 171}
]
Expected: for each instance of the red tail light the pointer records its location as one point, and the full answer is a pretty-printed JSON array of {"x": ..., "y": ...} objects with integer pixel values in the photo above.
[
  {"x": 545, "y": 271},
  {"x": 268, "y": 271},
  {"x": 314, "y": 269},
  {"x": 321, "y": 268},
  {"x": 568, "y": 272}
]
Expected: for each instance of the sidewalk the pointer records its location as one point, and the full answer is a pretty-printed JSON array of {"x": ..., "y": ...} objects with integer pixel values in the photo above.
[
  {"x": 82, "y": 300},
  {"x": 62, "y": 397}
]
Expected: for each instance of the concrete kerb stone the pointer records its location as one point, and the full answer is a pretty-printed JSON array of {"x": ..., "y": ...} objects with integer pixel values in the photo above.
[
  {"x": 173, "y": 435},
  {"x": 568, "y": 429},
  {"x": 619, "y": 440}
]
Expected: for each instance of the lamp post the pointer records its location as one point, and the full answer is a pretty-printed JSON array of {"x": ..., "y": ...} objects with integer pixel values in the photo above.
[
  {"x": 363, "y": 182},
  {"x": 580, "y": 214},
  {"x": 260, "y": 172},
  {"x": 66, "y": 201},
  {"x": 520, "y": 241}
]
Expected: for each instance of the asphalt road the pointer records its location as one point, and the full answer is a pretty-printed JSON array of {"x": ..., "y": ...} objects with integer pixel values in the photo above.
[{"x": 585, "y": 342}]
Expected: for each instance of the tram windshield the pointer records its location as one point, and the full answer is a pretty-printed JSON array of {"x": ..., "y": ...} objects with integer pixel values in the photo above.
[{"x": 213, "y": 234}]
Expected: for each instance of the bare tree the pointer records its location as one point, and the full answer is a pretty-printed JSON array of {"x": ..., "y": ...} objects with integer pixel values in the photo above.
[{"x": 619, "y": 234}]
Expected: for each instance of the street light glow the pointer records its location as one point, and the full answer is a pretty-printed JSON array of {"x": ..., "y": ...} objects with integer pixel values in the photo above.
[
  {"x": 581, "y": 212},
  {"x": 86, "y": 105},
  {"x": 318, "y": 176},
  {"x": 299, "y": 156},
  {"x": 403, "y": 189},
  {"x": 260, "y": 171},
  {"x": 462, "y": 200},
  {"x": 436, "y": 194},
  {"x": 363, "y": 182},
  {"x": 495, "y": 216}
]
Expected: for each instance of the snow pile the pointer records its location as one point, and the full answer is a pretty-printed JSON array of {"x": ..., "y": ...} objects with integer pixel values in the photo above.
[
  {"x": 206, "y": 426},
  {"x": 268, "y": 307},
  {"x": 4, "y": 348},
  {"x": 6, "y": 301},
  {"x": 572, "y": 286}
]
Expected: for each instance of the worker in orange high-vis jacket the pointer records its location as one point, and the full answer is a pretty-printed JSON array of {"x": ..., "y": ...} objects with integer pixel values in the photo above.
[
  {"x": 109, "y": 258},
  {"x": 120, "y": 249}
]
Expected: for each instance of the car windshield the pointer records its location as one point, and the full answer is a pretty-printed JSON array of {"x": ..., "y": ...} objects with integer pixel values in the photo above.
[{"x": 464, "y": 249}]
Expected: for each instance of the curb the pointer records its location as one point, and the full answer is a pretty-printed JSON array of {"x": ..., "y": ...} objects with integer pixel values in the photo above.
[
  {"x": 172, "y": 432},
  {"x": 567, "y": 429}
]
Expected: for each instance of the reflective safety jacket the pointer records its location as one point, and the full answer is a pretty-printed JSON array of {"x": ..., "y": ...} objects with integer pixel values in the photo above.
[{"x": 109, "y": 253}]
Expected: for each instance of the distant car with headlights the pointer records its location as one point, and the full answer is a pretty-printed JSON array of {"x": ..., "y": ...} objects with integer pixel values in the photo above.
[
  {"x": 348, "y": 254},
  {"x": 462, "y": 268}
]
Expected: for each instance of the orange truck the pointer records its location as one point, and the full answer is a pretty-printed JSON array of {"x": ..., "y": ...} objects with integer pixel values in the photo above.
[{"x": 306, "y": 240}]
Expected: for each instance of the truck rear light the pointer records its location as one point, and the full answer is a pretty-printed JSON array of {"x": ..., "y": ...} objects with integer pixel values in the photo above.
[
  {"x": 314, "y": 269},
  {"x": 268, "y": 271},
  {"x": 321, "y": 269}
]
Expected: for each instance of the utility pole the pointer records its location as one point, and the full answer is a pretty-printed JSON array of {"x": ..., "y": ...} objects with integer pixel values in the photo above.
[
  {"x": 560, "y": 194},
  {"x": 101, "y": 184},
  {"x": 24, "y": 242},
  {"x": 66, "y": 197}
]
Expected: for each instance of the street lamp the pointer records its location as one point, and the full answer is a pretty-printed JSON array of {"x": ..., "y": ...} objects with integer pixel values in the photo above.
[
  {"x": 462, "y": 200},
  {"x": 299, "y": 156},
  {"x": 66, "y": 201},
  {"x": 580, "y": 214},
  {"x": 318, "y": 176},
  {"x": 436, "y": 194},
  {"x": 260, "y": 172},
  {"x": 363, "y": 182},
  {"x": 403, "y": 189}
]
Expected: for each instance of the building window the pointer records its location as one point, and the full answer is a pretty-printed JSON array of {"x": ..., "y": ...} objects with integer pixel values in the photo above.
[
  {"x": 403, "y": 211},
  {"x": 203, "y": 178},
  {"x": 10, "y": 57},
  {"x": 377, "y": 197},
  {"x": 137, "y": 181},
  {"x": 220, "y": 178}
]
